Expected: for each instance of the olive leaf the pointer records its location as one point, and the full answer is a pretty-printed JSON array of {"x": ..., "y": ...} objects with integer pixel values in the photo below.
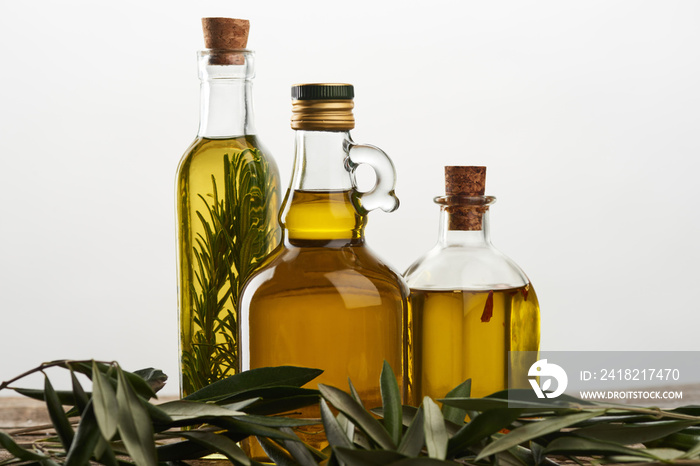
[
  {"x": 391, "y": 402},
  {"x": 434, "y": 429},
  {"x": 255, "y": 379},
  {"x": 18, "y": 452},
  {"x": 354, "y": 411},
  {"x": 453, "y": 413},
  {"x": 134, "y": 424},
  {"x": 57, "y": 415},
  {"x": 335, "y": 433},
  {"x": 536, "y": 429},
  {"x": 105, "y": 404},
  {"x": 414, "y": 438}
]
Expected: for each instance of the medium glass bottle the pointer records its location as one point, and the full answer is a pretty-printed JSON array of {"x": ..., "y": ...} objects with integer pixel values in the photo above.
[
  {"x": 470, "y": 303},
  {"x": 227, "y": 204},
  {"x": 323, "y": 299}
]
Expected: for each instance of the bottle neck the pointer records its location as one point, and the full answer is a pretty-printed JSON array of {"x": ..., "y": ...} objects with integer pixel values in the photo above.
[
  {"x": 462, "y": 225},
  {"x": 319, "y": 161},
  {"x": 226, "y": 97},
  {"x": 320, "y": 205},
  {"x": 226, "y": 108}
]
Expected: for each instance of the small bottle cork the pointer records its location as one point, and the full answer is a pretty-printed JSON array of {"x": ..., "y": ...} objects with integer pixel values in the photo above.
[
  {"x": 223, "y": 34},
  {"x": 465, "y": 181}
]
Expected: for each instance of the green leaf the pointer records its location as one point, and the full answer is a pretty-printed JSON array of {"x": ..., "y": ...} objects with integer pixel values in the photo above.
[
  {"x": 255, "y": 379},
  {"x": 635, "y": 433},
  {"x": 58, "y": 417},
  {"x": 155, "y": 378},
  {"x": 347, "y": 426},
  {"x": 81, "y": 398},
  {"x": 434, "y": 429},
  {"x": 527, "y": 394},
  {"x": 134, "y": 424},
  {"x": 334, "y": 431},
  {"x": 452, "y": 413},
  {"x": 183, "y": 410},
  {"x": 516, "y": 456},
  {"x": 421, "y": 462},
  {"x": 537, "y": 452},
  {"x": 238, "y": 405},
  {"x": 414, "y": 438},
  {"x": 181, "y": 451},
  {"x": 158, "y": 417},
  {"x": 298, "y": 450},
  {"x": 355, "y": 395},
  {"x": 485, "y": 404},
  {"x": 694, "y": 451},
  {"x": 354, "y": 411},
  {"x": 407, "y": 414},
  {"x": 248, "y": 428},
  {"x": 391, "y": 401},
  {"x": 104, "y": 453},
  {"x": 65, "y": 397},
  {"x": 275, "y": 399},
  {"x": 367, "y": 458},
  {"x": 481, "y": 427},
  {"x": 85, "y": 441},
  {"x": 276, "y": 453},
  {"x": 534, "y": 430},
  {"x": 105, "y": 404},
  {"x": 572, "y": 445},
  {"x": 276, "y": 421},
  {"x": 665, "y": 454},
  {"x": 218, "y": 443},
  {"x": 18, "y": 452}
]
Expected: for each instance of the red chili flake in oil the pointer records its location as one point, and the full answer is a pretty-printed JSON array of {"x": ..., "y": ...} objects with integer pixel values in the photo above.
[{"x": 488, "y": 308}]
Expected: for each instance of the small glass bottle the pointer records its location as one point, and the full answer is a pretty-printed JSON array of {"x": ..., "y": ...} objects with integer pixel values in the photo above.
[
  {"x": 227, "y": 204},
  {"x": 323, "y": 300},
  {"x": 470, "y": 303}
]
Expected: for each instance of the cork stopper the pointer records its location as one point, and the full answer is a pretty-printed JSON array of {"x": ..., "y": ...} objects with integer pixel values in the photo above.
[
  {"x": 465, "y": 181},
  {"x": 222, "y": 34}
]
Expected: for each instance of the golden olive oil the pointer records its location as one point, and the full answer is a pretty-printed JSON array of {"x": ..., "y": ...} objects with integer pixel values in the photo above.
[
  {"x": 227, "y": 205},
  {"x": 460, "y": 334},
  {"x": 325, "y": 301}
]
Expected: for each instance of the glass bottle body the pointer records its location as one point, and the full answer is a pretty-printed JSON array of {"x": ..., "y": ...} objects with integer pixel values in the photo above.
[
  {"x": 470, "y": 306},
  {"x": 323, "y": 300},
  {"x": 227, "y": 204}
]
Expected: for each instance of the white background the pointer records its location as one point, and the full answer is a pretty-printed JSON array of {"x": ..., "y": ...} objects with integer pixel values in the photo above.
[{"x": 586, "y": 113}]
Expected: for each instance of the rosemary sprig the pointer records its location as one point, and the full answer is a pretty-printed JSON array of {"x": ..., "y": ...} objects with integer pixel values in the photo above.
[{"x": 239, "y": 229}]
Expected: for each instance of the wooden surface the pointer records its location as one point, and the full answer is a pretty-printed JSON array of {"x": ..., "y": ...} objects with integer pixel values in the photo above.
[
  {"x": 16, "y": 412},
  {"x": 19, "y": 414}
]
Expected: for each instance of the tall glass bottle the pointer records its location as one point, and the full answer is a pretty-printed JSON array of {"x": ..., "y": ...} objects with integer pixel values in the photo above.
[
  {"x": 227, "y": 204},
  {"x": 323, "y": 299},
  {"x": 470, "y": 303}
]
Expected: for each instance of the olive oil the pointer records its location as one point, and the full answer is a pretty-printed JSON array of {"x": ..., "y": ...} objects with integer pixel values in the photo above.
[
  {"x": 227, "y": 204},
  {"x": 324, "y": 301},
  {"x": 462, "y": 334}
]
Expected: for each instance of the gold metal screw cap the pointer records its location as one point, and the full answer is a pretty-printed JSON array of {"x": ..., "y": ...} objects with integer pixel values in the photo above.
[{"x": 323, "y": 107}]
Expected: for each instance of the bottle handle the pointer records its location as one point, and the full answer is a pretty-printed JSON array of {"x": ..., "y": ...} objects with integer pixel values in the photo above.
[{"x": 382, "y": 195}]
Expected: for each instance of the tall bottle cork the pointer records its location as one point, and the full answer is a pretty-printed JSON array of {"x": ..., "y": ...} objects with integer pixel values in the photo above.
[
  {"x": 222, "y": 35},
  {"x": 465, "y": 181}
]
